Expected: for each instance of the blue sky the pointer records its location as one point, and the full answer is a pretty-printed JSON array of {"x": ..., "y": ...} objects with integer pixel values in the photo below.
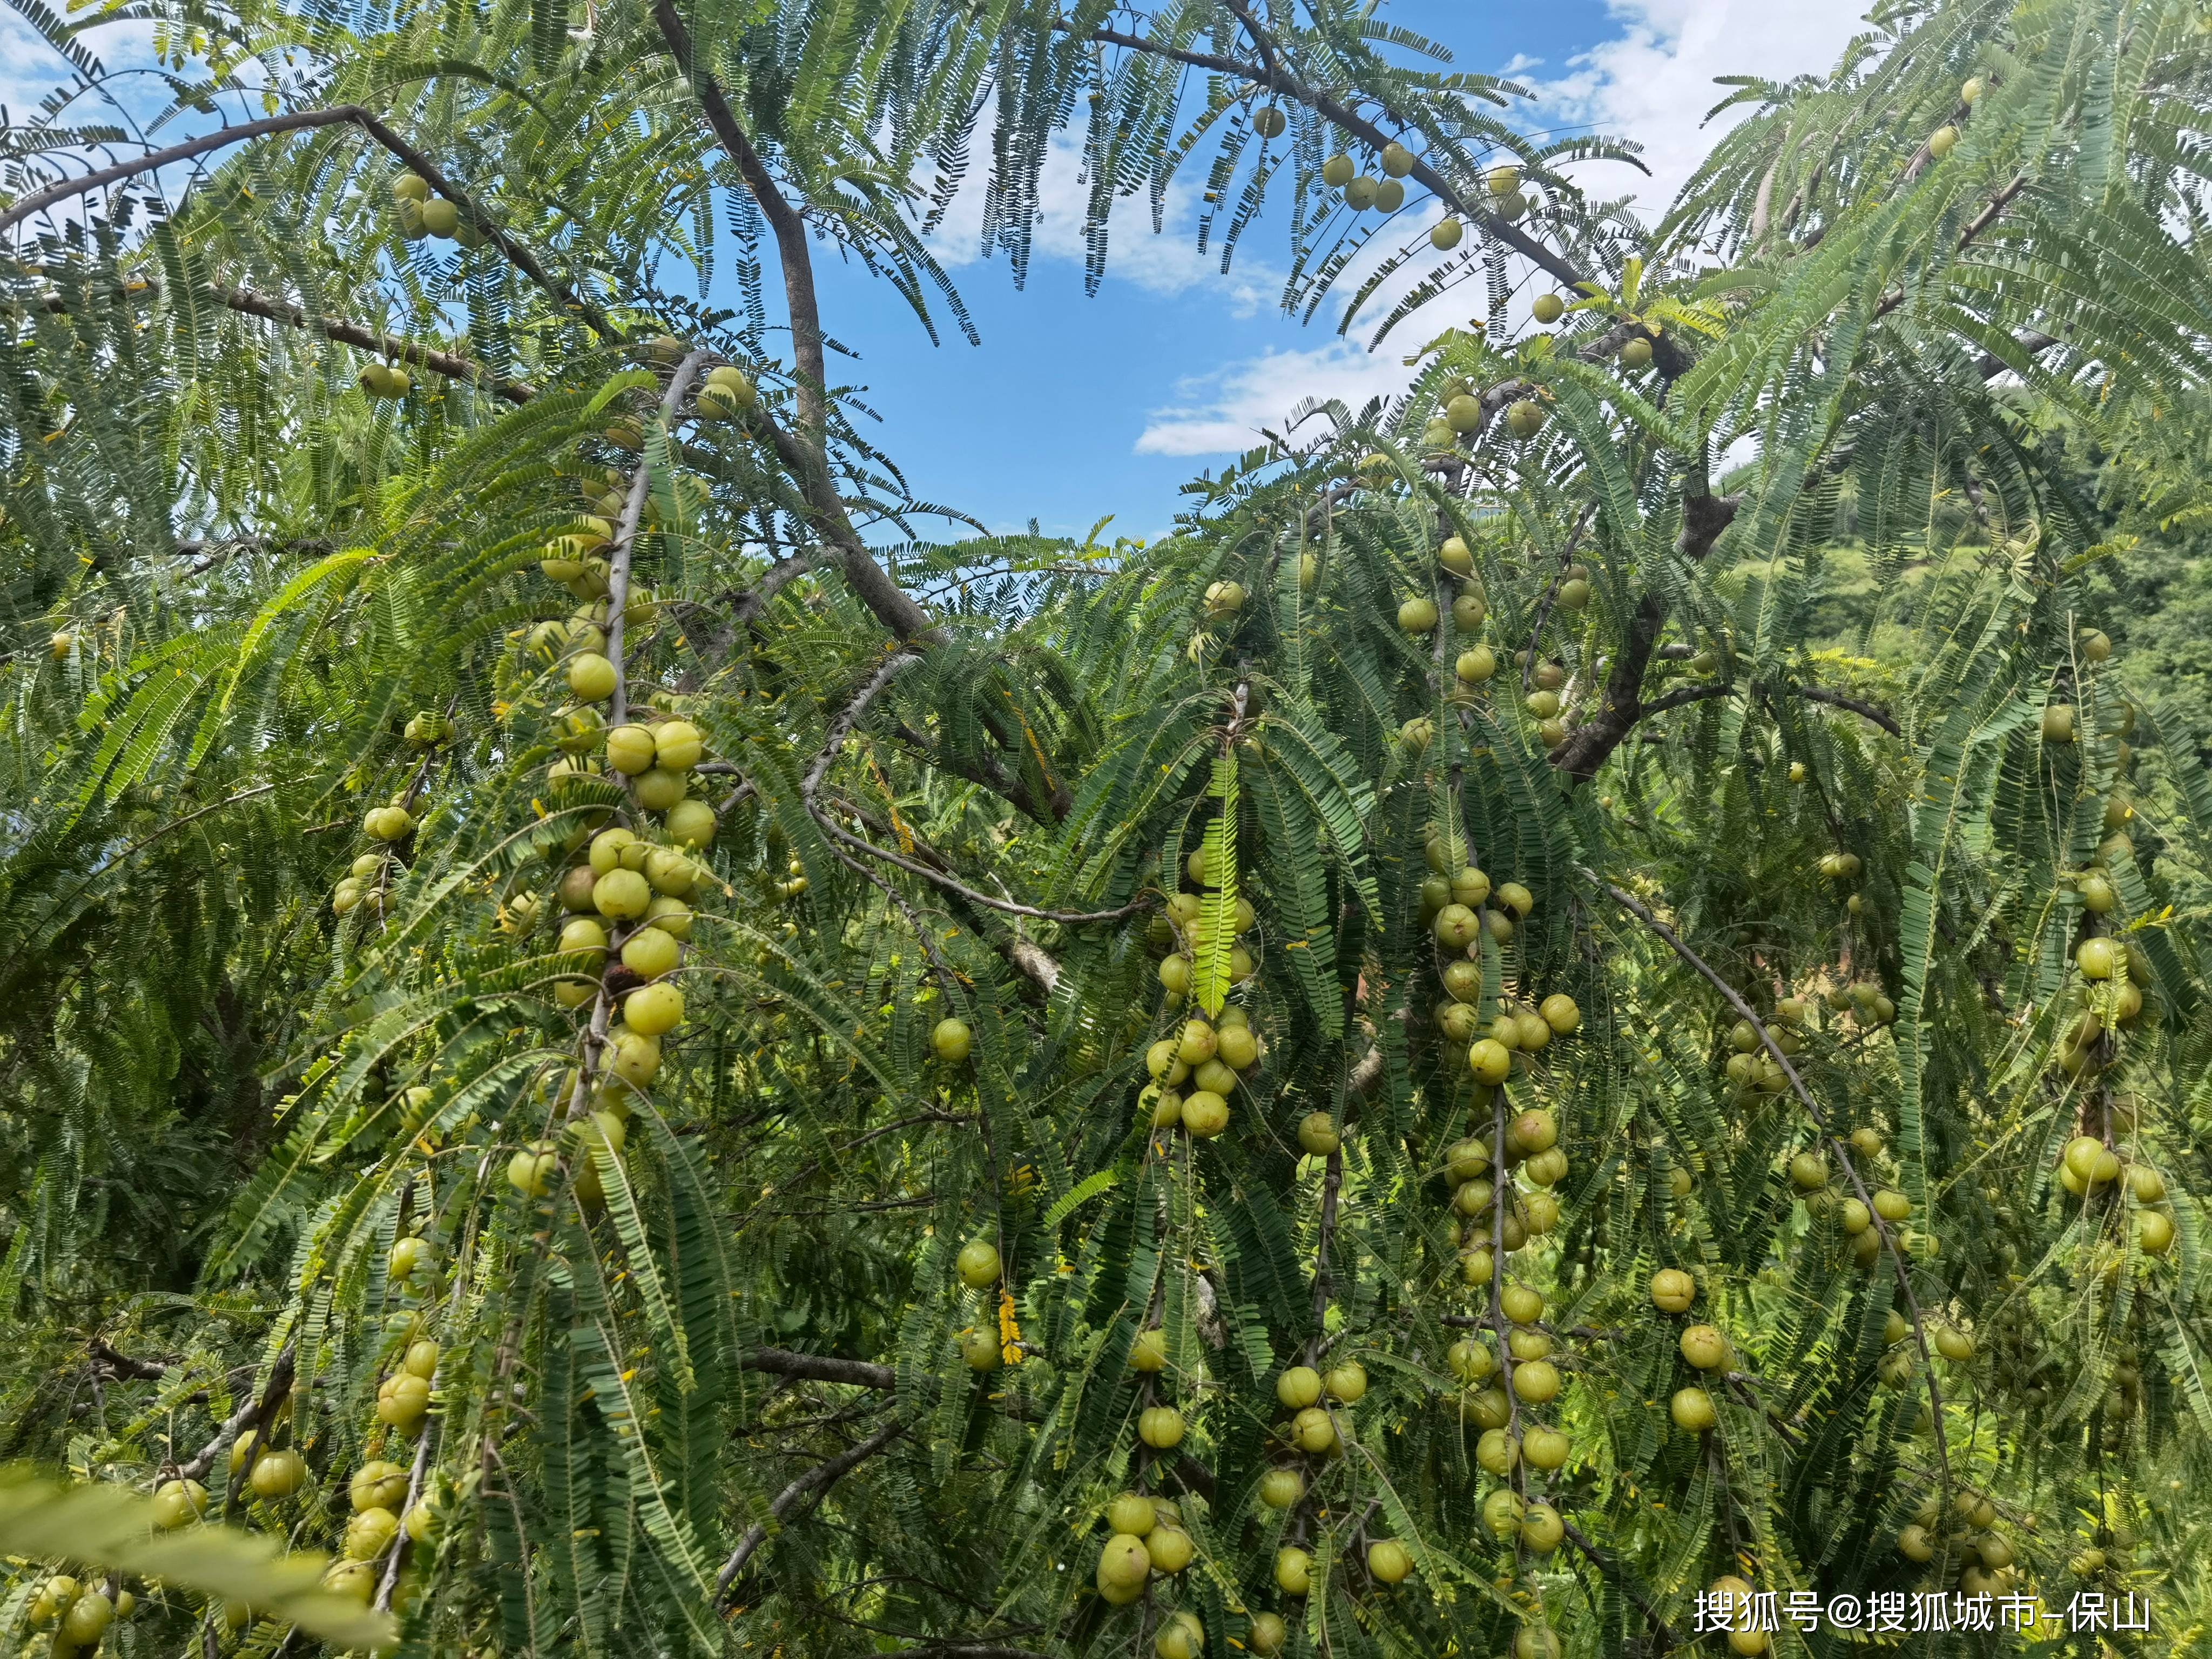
[{"x": 1074, "y": 408}]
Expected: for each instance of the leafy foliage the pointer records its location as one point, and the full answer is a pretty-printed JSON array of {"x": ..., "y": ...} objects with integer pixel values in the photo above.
[{"x": 1128, "y": 996}]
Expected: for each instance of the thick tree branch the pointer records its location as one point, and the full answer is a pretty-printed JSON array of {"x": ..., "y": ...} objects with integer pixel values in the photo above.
[
  {"x": 804, "y": 454},
  {"x": 820, "y": 1368},
  {"x": 816, "y": 1480}
]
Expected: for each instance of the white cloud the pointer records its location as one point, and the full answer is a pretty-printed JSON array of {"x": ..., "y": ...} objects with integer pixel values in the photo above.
[
  {"x": 1222, "y": 412},
  {"x": 1655, "y": 81}
]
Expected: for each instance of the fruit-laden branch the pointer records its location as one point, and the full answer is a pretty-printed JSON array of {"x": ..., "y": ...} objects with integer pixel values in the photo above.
[
  {"x": 1744, "y": 1012},
  {"x": 303, "y": 121},
  {"x": 254, "y": 1415},
  {"x": 806, "y": 454},
  {"x": 1273, "y": 72},
  {"x": 389, "y": 346},
  {"x": 816, "y": 1480}
]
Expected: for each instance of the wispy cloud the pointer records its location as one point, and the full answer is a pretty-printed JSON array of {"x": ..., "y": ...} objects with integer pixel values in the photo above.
[
  {"x": 1223, "y": 411},
  {"x": 1654, "y": 82}
]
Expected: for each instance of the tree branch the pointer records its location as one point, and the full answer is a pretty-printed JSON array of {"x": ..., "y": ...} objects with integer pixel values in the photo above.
[
  {"x": 805, "y": 455},
  {"x": 1273, "y": 72},
  {"x": 820, "y": 1368},
  {"x": 303, "y": 121},
  {"x": 815, "y": 1479},
  {"x": 254, "y": 1415},
  {"x": 1673, "y": 940},
  {"x": 452, "y": 366}
]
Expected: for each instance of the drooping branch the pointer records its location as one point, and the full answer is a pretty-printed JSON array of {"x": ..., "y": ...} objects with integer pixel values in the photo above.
[
  {"x": 304, "y": 120},
  {"x": 819, "y": 1479},
  {"x": 1744, "y": 1012},
  {"x": 1273, "y": 72}
]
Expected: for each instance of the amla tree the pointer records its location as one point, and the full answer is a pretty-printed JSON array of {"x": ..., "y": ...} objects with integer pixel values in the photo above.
[{"x": 1412, "y": 1069}]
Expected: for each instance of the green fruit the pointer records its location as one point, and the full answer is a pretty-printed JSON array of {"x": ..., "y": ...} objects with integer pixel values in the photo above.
[
  {"x": 1160, "y": 1427},
  {"x": 277, "y": 1474},
  {"x": 1524, "y": 420},
  {"x": 1338, "y": 171},
  {"x": 659, "y": 789},
  {"x": 1266, "y": 1636},
  {"x": 592, "y": 677},
  {"x": 1148, "y": 1354},
  {"x": 1397, "y": 159},
  {"x": 1548, "y": 308},
  {"x": 411, "y": 187},
  {"x": 652, "y": 1010},
  {"x": 1389, "y": 196},
  {"x": 1293, "y": 1571},
  {"x": 369, "y": 1533},
  {"x": 2058, "y": 723},
  {"x": 1268, "y": 121},
  {"x": 1169, "y": 1548},
  {"x": 621, "y": 894},
  {"x": 1444, "y": 235},
  {"x": 1124, "y": 1561},
  {"x": 1693, "y": 1410},
  {"x": 1281, "y": 1488},
  {"x": 1942, "y": 140},
  {"x": 440, "y": 217},
  {"x": 1131, "y": 1513},
  {"x": 179, "y": 1504},
  {"x": 979, "y": 1348},
  {"x": 1317, "y": 1134},
  {"x": 1346, "y": 1383},
  {"x": 1205, "y": 1113},
  {"x": 629, "y": 748},
  {"x": 978, "y": 1267},
  {"x": 1417, "y": 615},
  {"x": 1388, "y": 1562},
  {"x": 1636, "y": 354},
  {"x": 1704, "y": 1347},
  {"x": 1298, "y": 1386},
  {"x": 1475, "y": 664}
]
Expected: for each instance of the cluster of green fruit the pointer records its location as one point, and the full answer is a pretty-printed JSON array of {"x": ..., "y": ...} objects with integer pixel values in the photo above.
[
  {"x": 1309, "y": 1440},
  {"x": 378, "y": 1491},
  {"x": 366, "y": 880},
  {"x": 1810, "y": 1175},
  {"x": 2089, "y": 1168},
  {"x": 1963, "y": 1535},
  {"x": 1459, "y": 411},
  {"x": 2104, "y": 1003},
  {"x": 1147, "y": 1538},
  {"x": 1945, "y": 138},
  {"x": 75, "y": 1616},
  {"x": 1363, "y": 190},
  {"x": 418, "y": 213},
  {"x": 978, "y": 1264}
]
